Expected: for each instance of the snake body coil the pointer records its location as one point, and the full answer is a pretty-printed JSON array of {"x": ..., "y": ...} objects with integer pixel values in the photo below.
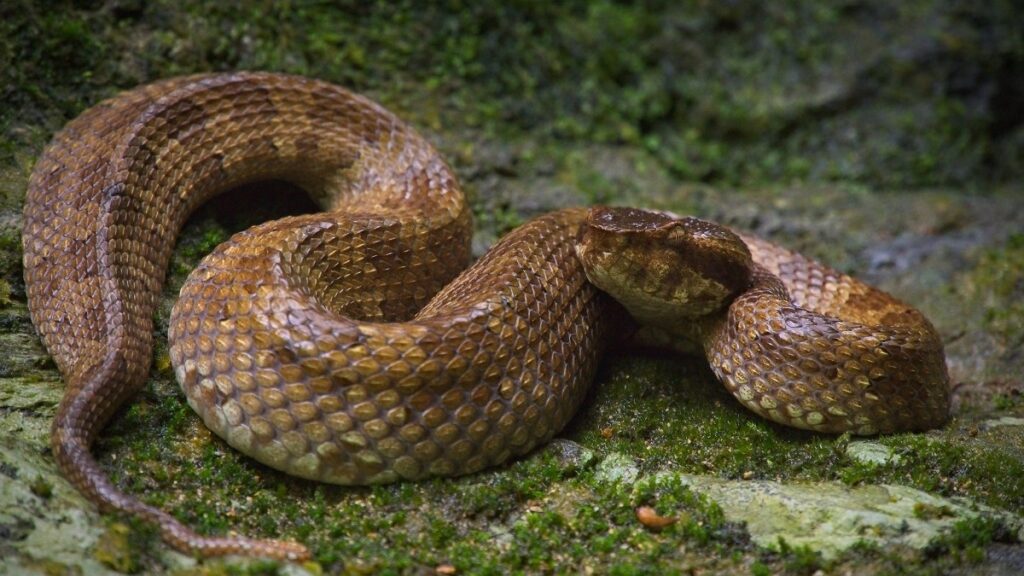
[{"x": 347, "y": 346}]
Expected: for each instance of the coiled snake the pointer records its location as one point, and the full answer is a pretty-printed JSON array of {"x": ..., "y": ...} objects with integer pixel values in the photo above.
[{"x": 349, "y": 346}]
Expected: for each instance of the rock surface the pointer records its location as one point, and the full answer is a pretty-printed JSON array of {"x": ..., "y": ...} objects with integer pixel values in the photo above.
[{"x": 831, "y": 518}]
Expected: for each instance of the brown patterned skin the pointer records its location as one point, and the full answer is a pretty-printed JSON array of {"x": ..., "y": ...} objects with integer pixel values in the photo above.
[
  {"x": 316, "y": 344},
  {"x": 792, "y": 340},
  {"x": 267, "y": 349},
  {"x": 490, "y": 367}
]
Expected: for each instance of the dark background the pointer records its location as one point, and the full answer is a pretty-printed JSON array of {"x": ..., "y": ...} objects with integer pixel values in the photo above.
[{"x": 891, "y": 94}]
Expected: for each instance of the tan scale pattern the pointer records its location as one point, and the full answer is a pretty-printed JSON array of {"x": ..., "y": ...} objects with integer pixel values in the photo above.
[
  {"x": 793, "y": 340},
  {"x": 317, "y": 345},
  {"x": 810, "y": 347},
  {"x": 494, "y": 365},
  {"x": 466, "y": 385}
]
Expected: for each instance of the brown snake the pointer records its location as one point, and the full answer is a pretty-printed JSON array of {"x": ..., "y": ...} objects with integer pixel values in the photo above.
[{"x": 316, "y": 344}]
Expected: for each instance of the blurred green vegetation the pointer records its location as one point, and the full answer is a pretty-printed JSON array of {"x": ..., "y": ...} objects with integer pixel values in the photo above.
[{"x": 907, "y": 94}]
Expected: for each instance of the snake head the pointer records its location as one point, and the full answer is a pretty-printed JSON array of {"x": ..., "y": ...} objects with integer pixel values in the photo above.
[{"x": 663, "y": 269}]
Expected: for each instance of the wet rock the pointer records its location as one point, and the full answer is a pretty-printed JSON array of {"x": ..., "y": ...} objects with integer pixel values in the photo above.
[
  {"x": 1003, "y": 421},
  {"x": 27, "y": 406},
  {"x": 829, "y": 518},
  {"x": 617, "y": 467},
  {"x": 1005, "y": 559},
  {"x": 60, "y": 528},
  {"x": 867, "y": 452},
  {"x": 571, "y": 456},
  {"x": 29, "y": 394}
]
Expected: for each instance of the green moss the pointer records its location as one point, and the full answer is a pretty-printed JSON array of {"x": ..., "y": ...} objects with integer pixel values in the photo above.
[
  {"x": 799, "y": 559},
  {"x": 50, "y": 567},
  {"x": 10, "y": 266},
  {"x": 5, "y": 293},
  {"x": 998, "y": 281},
  {"x": 928, "y": 511},
  {"x": 115, "y": 549},
  {"x": 1008, "y": 401},
  {"x": 671, "y": 413},
  {"x": 578, "y": 171},
  {"x": 500, "y": 220},
  {"x": 41, "y": 487},
  {"x": 741, "y": 98},
  {"x": 988, "y": 471},
  {"x": 546, "y": 518},
  {"x": 969, "y": 538},
  {"x": 395, "y": 528},
  {"x": 209, "y": 239},
  {"x": 246, "y": 568}
]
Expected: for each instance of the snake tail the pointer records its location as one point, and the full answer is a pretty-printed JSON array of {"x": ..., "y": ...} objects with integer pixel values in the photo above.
[{"x": 109, "y": 194}]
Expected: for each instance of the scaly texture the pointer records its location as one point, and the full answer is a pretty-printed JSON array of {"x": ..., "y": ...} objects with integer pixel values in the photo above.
[
  {"x": 315, "y": 344},
  {"x": 267, "y": 351},
  {"x": 793, "y": 340},
  {"x": 810, "y": 347}
]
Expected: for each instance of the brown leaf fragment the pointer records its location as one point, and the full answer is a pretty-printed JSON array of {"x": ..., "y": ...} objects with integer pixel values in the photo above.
[{"x": 651, "y": 519}]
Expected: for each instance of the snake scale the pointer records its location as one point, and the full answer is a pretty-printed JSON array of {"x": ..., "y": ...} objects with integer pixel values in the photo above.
[{"x": 352, "y": 347}]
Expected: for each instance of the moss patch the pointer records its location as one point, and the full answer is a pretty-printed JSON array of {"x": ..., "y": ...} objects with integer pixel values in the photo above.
[
  {"x": 714, "y": 92},
  {"x": 671, "y": 413},
  {"x": 998, "y": 281},
  {"x": 537, "y": 514}
]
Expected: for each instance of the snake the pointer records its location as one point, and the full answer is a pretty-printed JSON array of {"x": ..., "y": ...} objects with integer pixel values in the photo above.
[{"x": 360, "y": 345}]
